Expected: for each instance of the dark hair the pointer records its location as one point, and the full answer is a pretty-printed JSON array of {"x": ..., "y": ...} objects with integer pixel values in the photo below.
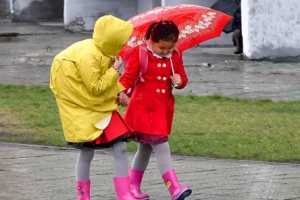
[{"x": 163, "y": 30}]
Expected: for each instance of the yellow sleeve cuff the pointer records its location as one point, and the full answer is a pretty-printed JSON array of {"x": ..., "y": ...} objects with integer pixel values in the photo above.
[{"x": 121, "y": 87}]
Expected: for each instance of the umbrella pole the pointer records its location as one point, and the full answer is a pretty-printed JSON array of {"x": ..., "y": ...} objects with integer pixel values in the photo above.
[{"x": 172, "y": 67}]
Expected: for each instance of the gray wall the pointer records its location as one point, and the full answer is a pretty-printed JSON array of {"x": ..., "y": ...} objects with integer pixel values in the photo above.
[
  {"x": 81, "y": 15},
  {"x": 271, "y": 28},
  {"x": 144, "y": 5},
  {"x": 4, "y": 8},
  {"x": 36, "y": 10}
]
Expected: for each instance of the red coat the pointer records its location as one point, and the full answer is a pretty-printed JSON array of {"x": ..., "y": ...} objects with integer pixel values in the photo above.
[{"x": 151, "y": 107}]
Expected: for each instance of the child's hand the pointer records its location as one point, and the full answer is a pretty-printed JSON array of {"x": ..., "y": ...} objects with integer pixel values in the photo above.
[
  {"x": 123, "y": 99},
  {"x": 176, "y": 80},
  {"x": 118, "y": 62}
]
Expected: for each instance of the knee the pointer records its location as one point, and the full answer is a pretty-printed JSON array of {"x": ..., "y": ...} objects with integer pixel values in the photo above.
[
  {"x": 162, "y": 148},
  {"x": 120, "y": 149},
  {"x": 87, "y": 155},
  {"x": 123, "y": 148},
  {"x": 144, "y": 148}
]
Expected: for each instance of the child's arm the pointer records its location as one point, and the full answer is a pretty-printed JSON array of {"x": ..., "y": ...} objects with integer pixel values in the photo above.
[
  {"x": 131, "y": 71},
  {"x": 179, "y": 69},
  {"x": 92, "y": 76}
]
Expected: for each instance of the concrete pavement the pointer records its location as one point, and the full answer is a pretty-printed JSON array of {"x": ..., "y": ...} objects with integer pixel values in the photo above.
[{"x": 30, "y": 172}]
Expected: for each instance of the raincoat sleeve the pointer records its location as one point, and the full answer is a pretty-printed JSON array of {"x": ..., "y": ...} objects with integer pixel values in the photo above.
[
  {"x": 121, "y": 87},
  {"x": 132, "y": 70},
  {"x": 94, "y": 76},
  {"x": 180, "y": 70}
]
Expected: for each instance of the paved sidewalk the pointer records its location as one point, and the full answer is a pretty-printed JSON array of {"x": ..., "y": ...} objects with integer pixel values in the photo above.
[{"x": 29, "y": 172}]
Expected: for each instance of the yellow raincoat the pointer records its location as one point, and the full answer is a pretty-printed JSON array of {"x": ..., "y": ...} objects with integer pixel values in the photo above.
[{"x": 83, "y": 82}]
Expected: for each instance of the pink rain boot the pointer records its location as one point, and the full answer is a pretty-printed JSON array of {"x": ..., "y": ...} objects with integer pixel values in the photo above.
[
  {"x": 177, "y": 192},
  {"x": 83, "y": 190},
  {"x": 135, "y": 184},
  {"x": 123, "y": 189}
]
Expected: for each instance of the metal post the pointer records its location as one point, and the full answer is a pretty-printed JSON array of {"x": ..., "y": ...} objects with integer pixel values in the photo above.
[{"x": 163, "y": 2}]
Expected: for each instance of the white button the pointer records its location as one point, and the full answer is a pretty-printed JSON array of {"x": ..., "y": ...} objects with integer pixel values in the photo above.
[
  {"x": 158, "y": 90},
  {"x": 164, "y": 65},
  {"x": 164, "y": 78},
  {"x": 158, "y": 65},
  {"x": 159, "y": 77},
  {"x": 163, "y": 91}
]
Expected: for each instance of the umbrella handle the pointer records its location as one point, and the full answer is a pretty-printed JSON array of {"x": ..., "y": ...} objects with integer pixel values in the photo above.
[{"x": 172, "y": 67}]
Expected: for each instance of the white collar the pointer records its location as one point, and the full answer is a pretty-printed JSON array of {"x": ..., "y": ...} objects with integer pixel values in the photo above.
[{"x": 149, "y": 47}]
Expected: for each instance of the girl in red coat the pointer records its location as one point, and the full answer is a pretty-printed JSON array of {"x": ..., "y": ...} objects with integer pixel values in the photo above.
[{"x": 151, "y": 108}]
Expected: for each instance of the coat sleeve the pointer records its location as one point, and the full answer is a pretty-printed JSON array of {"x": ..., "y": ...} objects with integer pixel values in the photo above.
[
  {"x": 180, "y": 70},
  {"x": 93, "y": 75},
  {"x": 132, "y": 70}
]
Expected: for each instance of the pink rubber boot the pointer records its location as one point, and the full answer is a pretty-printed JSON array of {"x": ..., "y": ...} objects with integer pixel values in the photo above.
[
  {"x": 122, "y": 188},
  {"x": 135, "y": 184},
  {"x": 177, "y": 192},
  {"x": 83, "y": 190}
]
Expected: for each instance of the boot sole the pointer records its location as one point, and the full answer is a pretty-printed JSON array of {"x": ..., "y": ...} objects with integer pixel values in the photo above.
[
  {"x": 184, "y": 194},
  {"x": 147, "y": 198}
]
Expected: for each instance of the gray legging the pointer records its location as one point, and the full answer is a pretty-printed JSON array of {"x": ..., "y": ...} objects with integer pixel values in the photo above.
[
  {"x": 86, "y": 156},
  {"x": 162, "y": 155}
]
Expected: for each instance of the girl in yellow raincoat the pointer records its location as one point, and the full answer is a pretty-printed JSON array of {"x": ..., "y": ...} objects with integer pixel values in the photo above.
[{"x": 84, "y": 80}]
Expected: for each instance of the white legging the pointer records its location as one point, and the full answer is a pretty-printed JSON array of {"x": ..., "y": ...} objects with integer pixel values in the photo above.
[
  {"x": 86, "y": 156},
  {"x": 162, "y": 155}
]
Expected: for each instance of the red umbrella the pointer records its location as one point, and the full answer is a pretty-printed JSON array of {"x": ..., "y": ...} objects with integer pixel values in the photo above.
[{"x": 196, "y": 24}]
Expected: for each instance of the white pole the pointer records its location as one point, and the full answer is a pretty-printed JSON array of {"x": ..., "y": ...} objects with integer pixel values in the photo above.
[
  {"x": 163, "y": 2},
  {"x": 172, "y": 67}
]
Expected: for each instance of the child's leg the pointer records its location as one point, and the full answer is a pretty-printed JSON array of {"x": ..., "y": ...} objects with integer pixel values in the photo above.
[
  {"x": 83, "y": 173},
  {"x": 163, "y": 157},
  {"x": 83, "y": 164},
  {"x": 164, "y": 162},
  {"x": 138, "y": 167},
  {"x": 120, "y": 159},
  {"x": 121, "y": 179},
  {"x": 142, "y": 157}
]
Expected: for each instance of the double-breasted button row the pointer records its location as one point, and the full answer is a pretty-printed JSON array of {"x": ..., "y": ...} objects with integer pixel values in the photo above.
[
  {"x": 161, "y": 78},
  {"x": 162, "y": 90},
  {"x": 162, "y": 65}
]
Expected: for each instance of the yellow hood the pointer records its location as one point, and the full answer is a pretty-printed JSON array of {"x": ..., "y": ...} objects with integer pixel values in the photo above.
[{"x": 110, "y": 34}]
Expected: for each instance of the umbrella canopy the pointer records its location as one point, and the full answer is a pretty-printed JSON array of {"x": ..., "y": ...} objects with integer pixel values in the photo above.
[
  {"x": 196, "y": 24},
  {"x": 228, "y": 7}
]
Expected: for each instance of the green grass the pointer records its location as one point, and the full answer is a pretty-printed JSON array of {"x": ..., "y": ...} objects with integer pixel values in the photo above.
[
  {"x": 212, "y": 126},
  {"x": 32, "y": 115},
  {"x": 237, "y": 128}
]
